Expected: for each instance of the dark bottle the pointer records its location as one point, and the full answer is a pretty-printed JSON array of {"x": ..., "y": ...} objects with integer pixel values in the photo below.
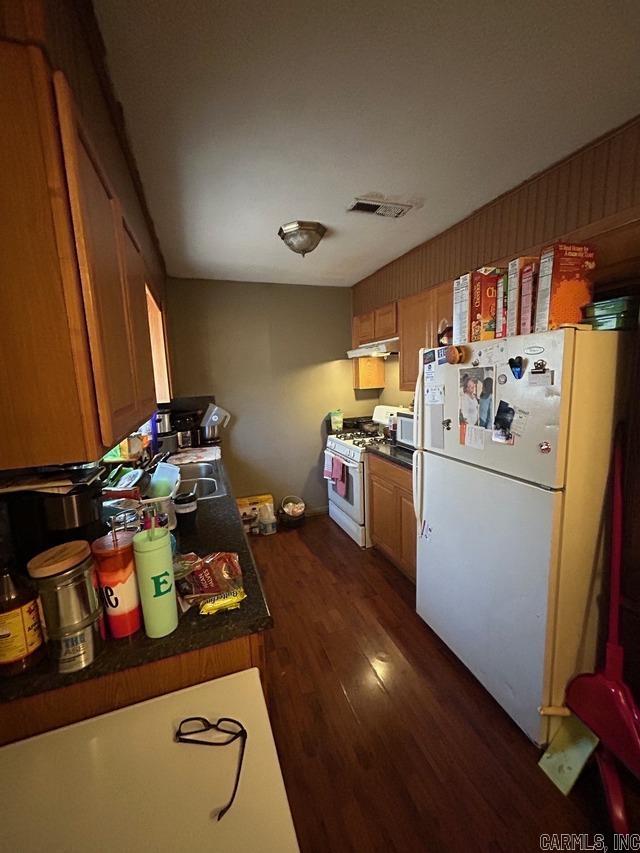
[{"x": 21, "y": 640}]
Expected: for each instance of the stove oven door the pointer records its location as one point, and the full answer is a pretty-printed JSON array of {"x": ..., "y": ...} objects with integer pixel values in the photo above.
[{"x": 352, "y": 504}]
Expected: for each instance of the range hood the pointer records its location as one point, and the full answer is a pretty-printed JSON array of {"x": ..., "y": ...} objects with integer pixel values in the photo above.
[{"x": 378, "y": 348}]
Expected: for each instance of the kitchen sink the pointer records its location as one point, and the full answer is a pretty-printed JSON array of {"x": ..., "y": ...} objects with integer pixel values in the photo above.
[
  {"x": 204, "y": 487},
  {"x": 195, "y": 470}
]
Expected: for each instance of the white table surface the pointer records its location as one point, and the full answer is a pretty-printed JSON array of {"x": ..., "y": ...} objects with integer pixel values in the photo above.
[{"x": 119, "y": 782}]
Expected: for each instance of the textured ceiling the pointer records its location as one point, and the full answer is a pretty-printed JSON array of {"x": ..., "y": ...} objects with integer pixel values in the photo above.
[{"x": 245, "y": 115}]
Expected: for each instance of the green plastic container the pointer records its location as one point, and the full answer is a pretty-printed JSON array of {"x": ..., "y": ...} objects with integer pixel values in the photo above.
[
  {"x": 154, "y": 570},
  {"x": 617, "y": 314}
]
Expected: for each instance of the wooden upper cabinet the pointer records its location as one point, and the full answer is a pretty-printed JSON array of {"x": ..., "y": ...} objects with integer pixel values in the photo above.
[
  {"x": 377, "y": 325},
  {"x": 421, "y": 318},
  {"x": 76, "y": 372},
  {"x": 368, "y": 373},
  {"x": 134, "y": 273},
  {"x": 46, "y": 393},
  {"x": 363, "y": 328},
  {"x": 414, "y": 326},
  {"x": 441, "y": 311},
  {"x": 384, "y": 322},
  {"x": 96, "y": 219}
]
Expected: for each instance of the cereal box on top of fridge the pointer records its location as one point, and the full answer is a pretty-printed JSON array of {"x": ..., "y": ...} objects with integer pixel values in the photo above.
[
  {"x": 461, "y": 300},
  {"x": 501, "y": 305},
  {"x": 484, "y": 283},
  {"x": 564, "y": 284},
  {"x": 528, "y": 281},
  {"x": 516, "y": 267}
]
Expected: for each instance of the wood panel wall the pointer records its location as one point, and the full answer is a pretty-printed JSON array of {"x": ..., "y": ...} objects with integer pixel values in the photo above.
[{"x": 590, "y": 194}]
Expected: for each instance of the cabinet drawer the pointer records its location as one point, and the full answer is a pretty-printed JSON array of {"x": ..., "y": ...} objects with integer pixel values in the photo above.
[{"x": 390, "y": 471}]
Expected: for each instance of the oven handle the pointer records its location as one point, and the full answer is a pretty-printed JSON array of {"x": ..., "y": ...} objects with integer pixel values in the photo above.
[{"x": 348, "y": 462}]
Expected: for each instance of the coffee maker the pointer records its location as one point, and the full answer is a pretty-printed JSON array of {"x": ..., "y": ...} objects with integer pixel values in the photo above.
[
  {"x": 197, "y": 420},
  {"x": 40, "y": 520}
]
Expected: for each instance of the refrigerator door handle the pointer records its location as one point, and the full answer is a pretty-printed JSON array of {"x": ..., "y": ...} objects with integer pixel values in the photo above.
[
  {"x": 418, "y": 406},
  {"x": 416, "y": 472}
]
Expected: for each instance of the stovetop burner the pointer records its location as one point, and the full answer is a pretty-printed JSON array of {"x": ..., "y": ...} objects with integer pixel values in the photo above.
[
  {"x": 373, "y": 439},
  {"x": 350, "y": 436}
]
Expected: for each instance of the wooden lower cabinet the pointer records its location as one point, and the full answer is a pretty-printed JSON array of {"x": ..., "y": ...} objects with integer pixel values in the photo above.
[
  {"x": 384, "y": 527},
  {"x": 392, "y": 521},
  {"x": 407, "y": 534},
  {"x": 45, "y": 711}
]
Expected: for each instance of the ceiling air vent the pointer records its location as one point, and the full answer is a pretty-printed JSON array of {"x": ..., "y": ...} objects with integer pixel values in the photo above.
[{"x": 379, "y": 207}]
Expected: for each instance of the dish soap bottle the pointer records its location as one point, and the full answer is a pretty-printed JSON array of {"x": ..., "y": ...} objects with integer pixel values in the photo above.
[{"x": 21, "y": 640}]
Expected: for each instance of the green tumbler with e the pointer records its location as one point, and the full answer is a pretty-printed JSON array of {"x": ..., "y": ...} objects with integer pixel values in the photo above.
[{"x": 154, "y": 570}]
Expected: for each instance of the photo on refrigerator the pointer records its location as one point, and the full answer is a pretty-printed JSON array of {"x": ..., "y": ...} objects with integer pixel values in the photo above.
[{"x": 476, "y": 398}]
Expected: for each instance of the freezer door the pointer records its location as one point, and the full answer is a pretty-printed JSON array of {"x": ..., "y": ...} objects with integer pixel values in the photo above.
[
  {"x": 485, "y": 549},
  {"x": 480, "y": 412}
]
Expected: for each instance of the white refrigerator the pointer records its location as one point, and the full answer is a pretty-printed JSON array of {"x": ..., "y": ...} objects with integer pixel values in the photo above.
[{"x": 510, "y": 480}]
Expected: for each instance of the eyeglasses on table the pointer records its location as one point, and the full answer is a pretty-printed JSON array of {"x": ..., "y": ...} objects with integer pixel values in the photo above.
[{"x": 191, "y": 729}]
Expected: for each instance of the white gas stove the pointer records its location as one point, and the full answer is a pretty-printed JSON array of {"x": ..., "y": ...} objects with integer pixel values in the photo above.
[
  {"x": 347, "y": 491},
  {"x": 353, "y": 445}
]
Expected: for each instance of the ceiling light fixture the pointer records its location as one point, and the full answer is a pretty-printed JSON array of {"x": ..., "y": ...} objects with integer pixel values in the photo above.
[{"x": 302, "y": 237}]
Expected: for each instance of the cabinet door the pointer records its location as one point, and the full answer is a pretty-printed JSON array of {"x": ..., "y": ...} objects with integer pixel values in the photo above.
[
  {"x": 366, "y": 328},
  {"x": 441, "y": 311},
  {"x": 95, "y": 215},
  {"x": 384, "y": 322},
  {"x": 414, "y": 317},
  {"x": 368, "y": 373},
  {"x": 355, "y": 331},
  {"x": 134, "y": 274},
  {"x": 383, "y": 515},
  {"x": 407, "y": 534},
  {"x": 41, "y": 416}
]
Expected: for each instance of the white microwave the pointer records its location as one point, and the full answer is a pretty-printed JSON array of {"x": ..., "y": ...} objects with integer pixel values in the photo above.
[{"x": 404, "y": 430}]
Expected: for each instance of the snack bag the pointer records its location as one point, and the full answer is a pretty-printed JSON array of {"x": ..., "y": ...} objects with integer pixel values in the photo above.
[{"x": 216, "y": 581}]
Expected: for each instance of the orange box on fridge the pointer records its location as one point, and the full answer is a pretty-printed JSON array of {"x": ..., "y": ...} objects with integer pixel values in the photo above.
[
  {"x": 564, "y": 284},
  {"x": 484, "y": 283}
]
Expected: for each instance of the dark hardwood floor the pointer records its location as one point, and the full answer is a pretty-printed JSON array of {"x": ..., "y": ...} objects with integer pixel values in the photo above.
[{"x": 386, "y": 741}]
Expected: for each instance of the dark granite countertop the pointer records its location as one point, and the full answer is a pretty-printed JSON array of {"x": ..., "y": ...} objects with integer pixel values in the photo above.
[
  {"x": 400, "y": 455},
  {"x": 218, "y": 528}
]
